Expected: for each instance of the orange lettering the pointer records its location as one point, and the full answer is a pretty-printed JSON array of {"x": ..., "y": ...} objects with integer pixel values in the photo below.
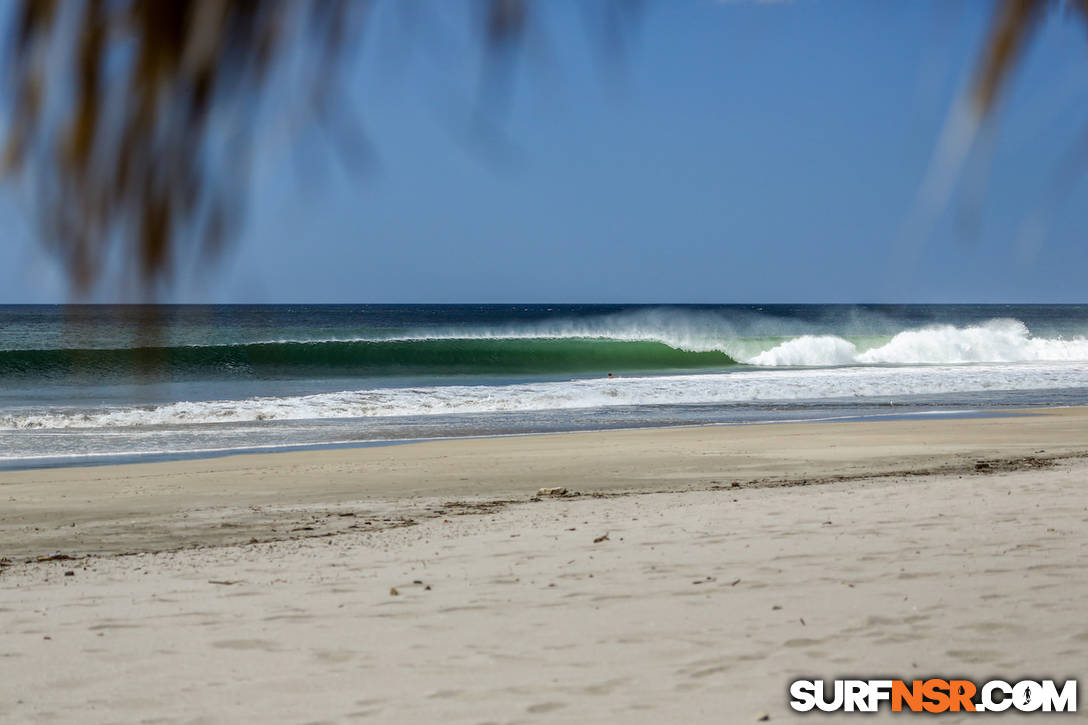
[
  {"x": 961, "y": 692},
  {"x": 936, "y": 691},
  {"x": 911, "y": 695}
]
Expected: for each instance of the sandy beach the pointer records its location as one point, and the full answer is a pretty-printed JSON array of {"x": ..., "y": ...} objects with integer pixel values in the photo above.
[{"x": 696, "y": 572}]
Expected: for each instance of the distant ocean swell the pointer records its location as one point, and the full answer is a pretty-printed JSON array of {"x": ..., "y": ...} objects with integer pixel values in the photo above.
[{"x": 996, "y": 341}]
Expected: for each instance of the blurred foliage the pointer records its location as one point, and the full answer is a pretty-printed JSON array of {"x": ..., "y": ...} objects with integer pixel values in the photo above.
[
  {"x": 1013, "y": 23},
  {"x": 132, "y": 118}
]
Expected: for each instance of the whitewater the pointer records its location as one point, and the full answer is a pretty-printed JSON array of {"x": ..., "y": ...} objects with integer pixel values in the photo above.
[{"x": 742, "y": 387}]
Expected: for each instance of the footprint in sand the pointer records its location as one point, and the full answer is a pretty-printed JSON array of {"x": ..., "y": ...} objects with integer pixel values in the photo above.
[
  {"x": 247, "y": 644},
  {"x": 974, "y": 657}
]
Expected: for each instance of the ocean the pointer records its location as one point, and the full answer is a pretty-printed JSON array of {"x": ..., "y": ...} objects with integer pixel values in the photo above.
[{"x": 97, "y": 384}]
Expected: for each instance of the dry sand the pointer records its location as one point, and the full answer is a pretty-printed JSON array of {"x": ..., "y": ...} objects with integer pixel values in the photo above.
[{"x": 702, "y": 603}]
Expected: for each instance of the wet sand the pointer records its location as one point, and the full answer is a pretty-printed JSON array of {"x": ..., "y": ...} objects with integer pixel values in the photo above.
[{"x": 161, "y": 506}]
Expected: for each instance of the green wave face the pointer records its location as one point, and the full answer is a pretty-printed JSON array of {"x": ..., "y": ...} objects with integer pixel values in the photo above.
[{"x": 370, "y": 358}]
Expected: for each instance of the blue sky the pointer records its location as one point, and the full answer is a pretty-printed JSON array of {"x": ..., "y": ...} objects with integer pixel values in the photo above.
[{"x": 743, "y": 152}]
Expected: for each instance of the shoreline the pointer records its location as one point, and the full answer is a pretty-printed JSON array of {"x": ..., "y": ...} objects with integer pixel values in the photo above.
[
  {"x": 144, "y": 507},
  {"x": 122, "y": 459}
]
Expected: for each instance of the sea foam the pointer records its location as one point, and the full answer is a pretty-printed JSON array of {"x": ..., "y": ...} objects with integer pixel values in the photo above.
[
  {"x": 995, "y": 341},
  {"x": 877, "y": 383}
]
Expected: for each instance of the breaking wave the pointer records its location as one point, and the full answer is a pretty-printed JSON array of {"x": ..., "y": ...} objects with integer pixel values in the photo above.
[
  {"x": 993, "y": 342},
  {"x": 371, "y": 358},
  {"x": 546, "y": 352}
]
